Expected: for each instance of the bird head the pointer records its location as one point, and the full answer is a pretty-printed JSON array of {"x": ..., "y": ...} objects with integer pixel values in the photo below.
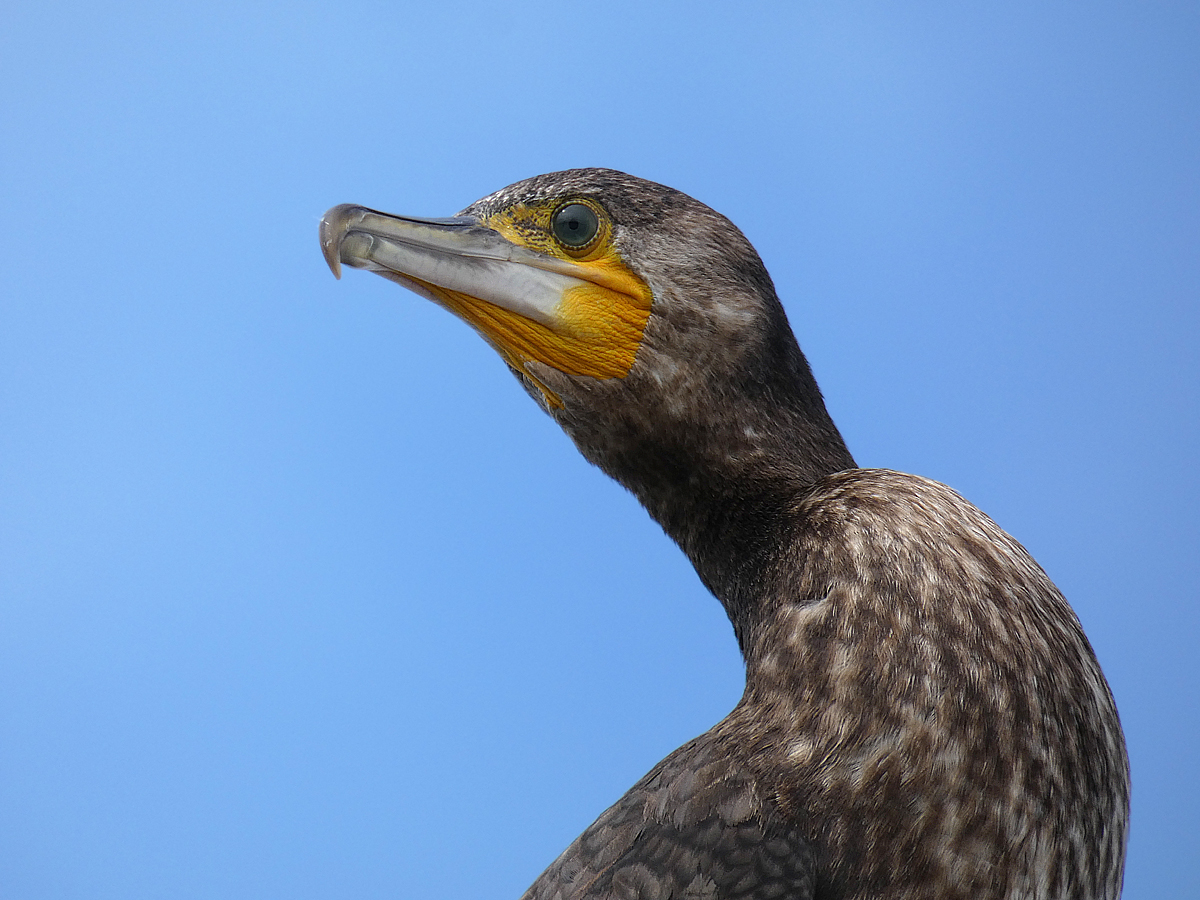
[{"x": 634, "y": 314}]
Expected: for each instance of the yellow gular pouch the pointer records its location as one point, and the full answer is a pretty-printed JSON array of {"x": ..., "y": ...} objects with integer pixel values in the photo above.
[{"x": 598, "y": 323}]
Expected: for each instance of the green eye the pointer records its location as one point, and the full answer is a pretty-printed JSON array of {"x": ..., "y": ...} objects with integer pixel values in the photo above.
[{"x": 575, "y": 225}]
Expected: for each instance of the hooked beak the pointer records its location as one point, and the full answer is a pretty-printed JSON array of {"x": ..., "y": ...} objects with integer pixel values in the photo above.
[{"x": 456, "y": 254}]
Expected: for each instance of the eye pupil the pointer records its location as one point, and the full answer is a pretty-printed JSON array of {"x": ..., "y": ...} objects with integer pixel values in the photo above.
[{"x": 575, "y": 225}]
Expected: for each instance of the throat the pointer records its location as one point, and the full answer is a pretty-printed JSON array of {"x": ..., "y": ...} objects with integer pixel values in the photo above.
[
  {"x": 719, "y": 452},
  {"x": 734, "y": 516}
]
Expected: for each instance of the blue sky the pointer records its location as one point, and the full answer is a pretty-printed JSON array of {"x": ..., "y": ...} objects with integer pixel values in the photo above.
[{"x": 301, "y": 596}]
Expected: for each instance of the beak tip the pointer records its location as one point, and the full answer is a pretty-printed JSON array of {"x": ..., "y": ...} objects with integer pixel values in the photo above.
[
  {"x": 334, "y": 225},
  {"x": 335, "y": 266}
]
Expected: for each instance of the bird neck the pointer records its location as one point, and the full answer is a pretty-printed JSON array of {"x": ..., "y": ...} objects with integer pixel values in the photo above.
[
  {"x": 733, "y": 537},
  {"x": 727, "y": 493},
  {"x": 718, "y": 447}
]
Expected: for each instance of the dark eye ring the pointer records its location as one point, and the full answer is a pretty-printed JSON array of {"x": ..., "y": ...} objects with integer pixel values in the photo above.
[{"x": 575, "y": 225}]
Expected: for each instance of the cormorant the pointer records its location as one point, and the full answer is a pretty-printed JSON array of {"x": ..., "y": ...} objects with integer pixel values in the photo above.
[{"x": 923, "y": 716}]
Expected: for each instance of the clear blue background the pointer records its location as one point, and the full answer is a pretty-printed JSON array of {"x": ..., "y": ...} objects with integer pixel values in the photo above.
[{"x": 301, "y": 597}]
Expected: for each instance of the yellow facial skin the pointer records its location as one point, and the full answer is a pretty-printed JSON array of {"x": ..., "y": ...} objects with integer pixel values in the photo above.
[{"x": 598, "y": 323}]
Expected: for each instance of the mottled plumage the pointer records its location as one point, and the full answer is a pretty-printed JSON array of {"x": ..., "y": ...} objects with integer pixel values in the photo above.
[{"x": 923, "y": 715}]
